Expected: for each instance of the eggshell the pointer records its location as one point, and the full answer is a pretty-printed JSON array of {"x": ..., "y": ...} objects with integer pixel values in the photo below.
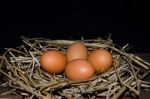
[
  {"x": 101, "y": 60},
  {"x": 79, "y": 69},
  {"x": 53, "y": 61},
  {"x": 76, "y": 50}
]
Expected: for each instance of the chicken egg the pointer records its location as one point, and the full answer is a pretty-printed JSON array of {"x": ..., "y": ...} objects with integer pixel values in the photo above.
[
  {"x": 101, "y": 60},
  {"x": 76, "y": 50},
  {"x": 53, "y": 61},
  {"x": 79, "y": 69}
]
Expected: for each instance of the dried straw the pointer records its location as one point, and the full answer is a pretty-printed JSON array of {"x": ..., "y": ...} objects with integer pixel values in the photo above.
[{"x": 22, "y": 68}]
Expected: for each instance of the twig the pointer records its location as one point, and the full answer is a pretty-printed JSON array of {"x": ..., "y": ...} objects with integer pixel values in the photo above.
[
  {"x": 108, "y": 92},
  {"x": 32, "y": 47},
  {"x": 21, "y": 84},
  {"x": 136, "y": 79}
]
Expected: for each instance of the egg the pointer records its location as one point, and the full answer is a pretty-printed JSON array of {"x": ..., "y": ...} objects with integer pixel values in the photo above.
[
  {"x": 79, "y": 69},
  {"x": 76, "y": 50},
  {"x": 53, "y": 61},
  {"x": 101, "y": 60}
]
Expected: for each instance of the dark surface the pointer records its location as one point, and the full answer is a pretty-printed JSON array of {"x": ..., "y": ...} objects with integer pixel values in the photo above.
[{"x": 143, "y": 94}]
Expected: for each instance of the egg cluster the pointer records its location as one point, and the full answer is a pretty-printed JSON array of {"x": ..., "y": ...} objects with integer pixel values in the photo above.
[{"x": 78, "y": 63}]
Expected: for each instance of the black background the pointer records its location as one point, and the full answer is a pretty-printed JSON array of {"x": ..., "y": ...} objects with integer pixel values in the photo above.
[{"x": 127, "y": 20}]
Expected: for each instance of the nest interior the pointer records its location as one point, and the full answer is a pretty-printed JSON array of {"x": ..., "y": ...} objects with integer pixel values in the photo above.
[{"x": 25, "y": 77}]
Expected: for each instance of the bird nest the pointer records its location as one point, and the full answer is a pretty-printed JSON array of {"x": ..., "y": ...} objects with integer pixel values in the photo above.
[{"x": 25, "y": 77}]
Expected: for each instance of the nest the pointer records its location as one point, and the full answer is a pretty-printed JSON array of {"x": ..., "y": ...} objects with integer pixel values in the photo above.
[{"x": 25, "y": 77}]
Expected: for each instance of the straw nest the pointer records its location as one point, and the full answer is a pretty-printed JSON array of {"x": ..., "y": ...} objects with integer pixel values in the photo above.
[{"x": 22, "y": 68}]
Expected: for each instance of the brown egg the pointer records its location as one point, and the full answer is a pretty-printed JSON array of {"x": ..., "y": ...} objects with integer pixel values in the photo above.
[
  {"x": 79, "y": 69},
  {"x": 76, "y": 50},
  {"x": 53, "y": 61},
  {"x": 101, "y": 60}
]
